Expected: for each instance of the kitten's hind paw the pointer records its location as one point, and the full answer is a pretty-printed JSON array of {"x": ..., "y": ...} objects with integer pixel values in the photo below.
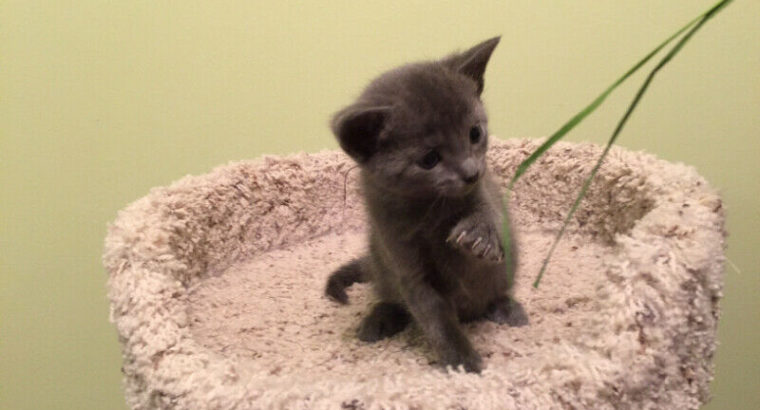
[{"x": 477, "y": 239}]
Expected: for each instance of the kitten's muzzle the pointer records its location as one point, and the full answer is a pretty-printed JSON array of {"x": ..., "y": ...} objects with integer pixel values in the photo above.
[
  {"x": 469, "y": 171},
  {"x": 471, "y": 178}
]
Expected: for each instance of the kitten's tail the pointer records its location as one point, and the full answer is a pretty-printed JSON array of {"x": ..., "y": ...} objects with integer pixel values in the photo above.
[{"x": 345, "y": 276}]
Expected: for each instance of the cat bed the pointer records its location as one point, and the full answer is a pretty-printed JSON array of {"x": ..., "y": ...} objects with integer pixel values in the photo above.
[{"x": 216, "y": 290}]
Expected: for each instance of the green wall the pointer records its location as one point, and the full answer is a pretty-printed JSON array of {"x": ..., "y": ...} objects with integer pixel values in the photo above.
[{"x": 101, "y": 100}]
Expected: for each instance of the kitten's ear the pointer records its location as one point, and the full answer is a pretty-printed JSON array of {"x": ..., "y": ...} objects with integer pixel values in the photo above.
[
  {"x": 358, "y": 129},
  {"x": 472, "y": 62}
]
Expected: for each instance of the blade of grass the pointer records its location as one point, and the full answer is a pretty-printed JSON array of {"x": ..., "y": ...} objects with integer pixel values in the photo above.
[
  {"x": 703, "y": 19},
  {"x": 575, "y": 120},
  {"x": 506, "y": 240}
]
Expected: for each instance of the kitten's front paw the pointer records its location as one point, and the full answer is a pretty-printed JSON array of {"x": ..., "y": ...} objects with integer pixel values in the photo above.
[
  {"x": 478, "y": 239},
  {"x": 386, "y": 320},
  {"x": 507, "y": 311},
  {"x": 468, "y": 358}
]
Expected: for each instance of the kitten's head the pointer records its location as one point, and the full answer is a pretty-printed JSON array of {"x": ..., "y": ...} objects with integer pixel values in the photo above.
[{"x": 421, "y": 130}]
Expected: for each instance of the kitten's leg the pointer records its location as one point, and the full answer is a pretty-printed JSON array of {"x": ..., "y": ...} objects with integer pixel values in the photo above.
[
  {"x": 479, "y": 233},
  {"x": 439, "y": 323},
  {"x": 385, "y": 320},
  {"x": 507, "y": 311}
]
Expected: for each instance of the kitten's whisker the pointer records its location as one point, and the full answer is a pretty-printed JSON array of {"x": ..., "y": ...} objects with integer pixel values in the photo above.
[{"x": 345, "y": 187}]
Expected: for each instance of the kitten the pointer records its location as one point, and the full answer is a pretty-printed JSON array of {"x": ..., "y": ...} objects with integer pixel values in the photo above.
[{"x": 419, "y": 135}]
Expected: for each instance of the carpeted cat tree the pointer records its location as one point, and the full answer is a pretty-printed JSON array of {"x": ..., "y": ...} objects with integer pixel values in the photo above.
[{"x": 216, "y": 285}]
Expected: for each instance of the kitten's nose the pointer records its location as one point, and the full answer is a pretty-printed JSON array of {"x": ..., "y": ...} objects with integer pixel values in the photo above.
[
  {"x": 472, "y": 178},
  {"x": 469, "y": 171}
]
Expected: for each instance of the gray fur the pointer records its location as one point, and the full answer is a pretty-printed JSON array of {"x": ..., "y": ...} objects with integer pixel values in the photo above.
[{"x": 435, "y": 248}]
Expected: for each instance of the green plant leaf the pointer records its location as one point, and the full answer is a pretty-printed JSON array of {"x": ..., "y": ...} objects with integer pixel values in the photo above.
[
  {"x": 578, "y": 118},
  {"x": 706, "y": 16},
  {"x": 693, "y": 26}
]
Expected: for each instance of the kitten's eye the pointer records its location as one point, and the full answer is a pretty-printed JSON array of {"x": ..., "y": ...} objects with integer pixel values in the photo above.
[
  {"x": 475, "y": 134},
  {"x": 430, "y": 160}
]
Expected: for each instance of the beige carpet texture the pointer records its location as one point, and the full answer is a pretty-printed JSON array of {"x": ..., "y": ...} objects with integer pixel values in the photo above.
[{"x": 216, "y": 290}]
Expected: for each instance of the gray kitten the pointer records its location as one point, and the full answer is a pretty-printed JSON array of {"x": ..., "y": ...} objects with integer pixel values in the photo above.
[{"x": 419, "y": 135}]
